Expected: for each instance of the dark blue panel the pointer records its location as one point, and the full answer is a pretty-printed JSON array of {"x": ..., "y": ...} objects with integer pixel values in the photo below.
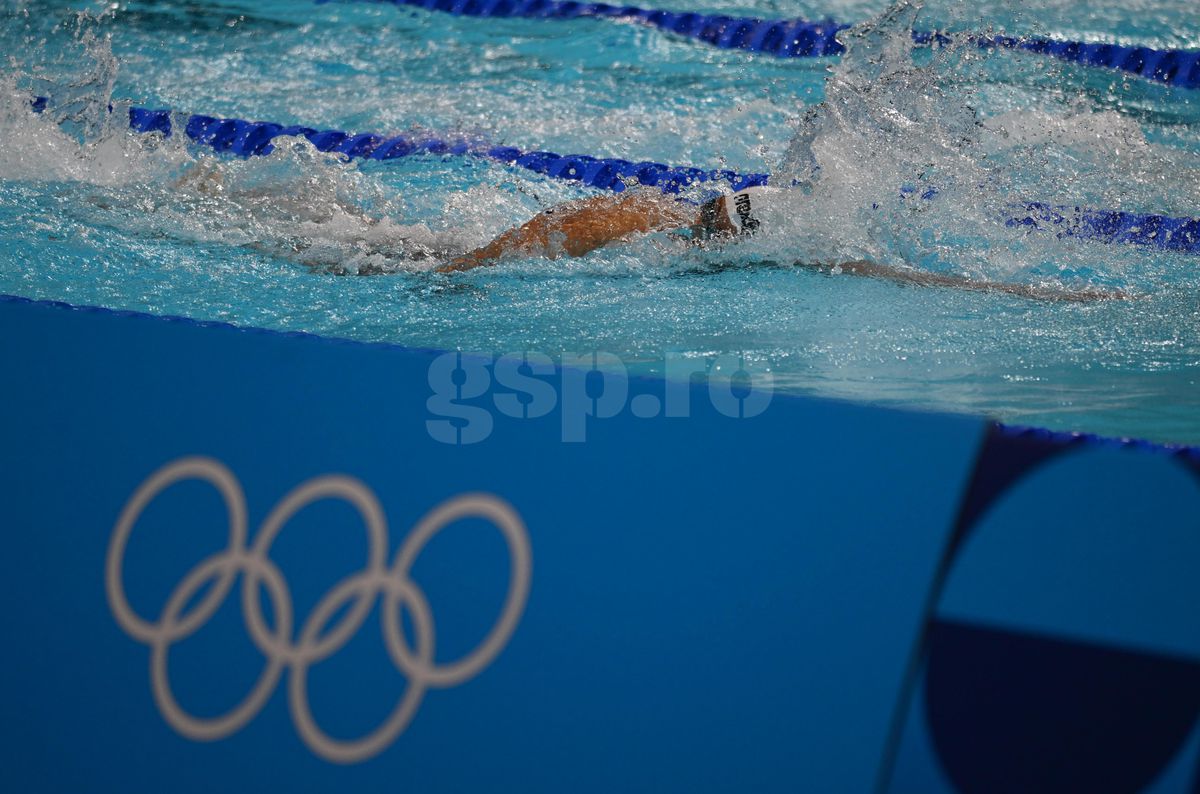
[
  {"x": 1010, "y": 711},
  {"x": 682, "y": 632}
]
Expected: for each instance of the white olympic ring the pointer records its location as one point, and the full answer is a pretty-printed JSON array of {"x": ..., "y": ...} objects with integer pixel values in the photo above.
[{"x": 392, "y": 585}]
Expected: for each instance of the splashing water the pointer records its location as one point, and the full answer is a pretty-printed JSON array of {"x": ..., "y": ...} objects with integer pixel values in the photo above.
[
  {"x": 901, "y": 165},
  {"x": 914, "y": 157}
]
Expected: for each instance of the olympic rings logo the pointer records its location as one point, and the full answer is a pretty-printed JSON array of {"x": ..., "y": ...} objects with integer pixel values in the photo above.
[{"x": 315, "y": 643}]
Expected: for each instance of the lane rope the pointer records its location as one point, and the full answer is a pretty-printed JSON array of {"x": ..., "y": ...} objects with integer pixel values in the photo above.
[
  {"x": 798, "y": 38},
  {"x": 255, "y": 138}
]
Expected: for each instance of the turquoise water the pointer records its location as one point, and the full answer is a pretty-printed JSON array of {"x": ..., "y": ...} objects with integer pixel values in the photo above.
[{"x": 92, "y": 214}]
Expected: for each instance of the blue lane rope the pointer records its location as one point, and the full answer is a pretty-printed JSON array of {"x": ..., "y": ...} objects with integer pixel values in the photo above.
[
  {"x": 797, "y": 38},
  {"x": 253, "y": 138}
]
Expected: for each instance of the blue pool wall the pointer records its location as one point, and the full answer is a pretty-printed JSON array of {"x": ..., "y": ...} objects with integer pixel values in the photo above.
[{"x": 823, "y": 596}]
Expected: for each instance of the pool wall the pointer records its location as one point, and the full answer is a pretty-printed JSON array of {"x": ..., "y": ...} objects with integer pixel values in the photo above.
[{"x": 454, "y": 589}]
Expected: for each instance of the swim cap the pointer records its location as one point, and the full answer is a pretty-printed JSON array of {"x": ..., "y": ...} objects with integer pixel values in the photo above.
[{"x": 754, "y": 208}]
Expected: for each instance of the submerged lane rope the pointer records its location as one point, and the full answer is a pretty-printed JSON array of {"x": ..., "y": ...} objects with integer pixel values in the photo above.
[
  {"x": 797, "y": 38},
  {"x": 253, "y": 138}
]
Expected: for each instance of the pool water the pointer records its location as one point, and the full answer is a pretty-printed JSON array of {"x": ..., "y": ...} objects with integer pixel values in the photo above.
[{"x": 93, "y": 214}]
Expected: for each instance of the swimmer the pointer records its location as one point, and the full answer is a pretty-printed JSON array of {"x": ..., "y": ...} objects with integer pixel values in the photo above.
[{"x": 579, "y": 227}]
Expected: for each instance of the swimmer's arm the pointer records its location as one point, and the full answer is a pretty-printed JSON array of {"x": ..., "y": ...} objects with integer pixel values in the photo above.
[
  {"x": 204, "y": 178},
  {"x": 580, "y": 227},
  {"x": 905, "y": 276}
]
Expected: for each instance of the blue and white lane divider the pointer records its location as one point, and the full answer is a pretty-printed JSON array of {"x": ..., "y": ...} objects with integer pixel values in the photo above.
[
  {"x": 797, "y": 38},
  {"x": 252, "y": 138}
]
